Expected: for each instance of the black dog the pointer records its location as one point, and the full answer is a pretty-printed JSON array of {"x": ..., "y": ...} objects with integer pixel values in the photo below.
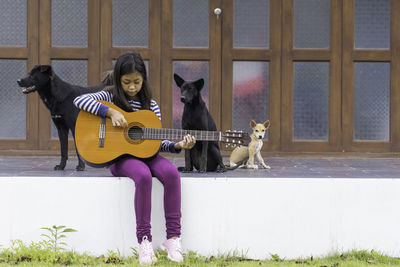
[
  {"x": 58, "y": 97},
  {"x": 205, "y": 155}
]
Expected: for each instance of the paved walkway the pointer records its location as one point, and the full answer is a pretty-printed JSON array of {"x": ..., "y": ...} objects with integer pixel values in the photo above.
[{"x": 282, "y": 167}]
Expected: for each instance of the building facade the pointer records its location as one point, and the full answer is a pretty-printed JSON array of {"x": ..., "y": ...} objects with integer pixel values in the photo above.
[{"x": 324, "y": 72}]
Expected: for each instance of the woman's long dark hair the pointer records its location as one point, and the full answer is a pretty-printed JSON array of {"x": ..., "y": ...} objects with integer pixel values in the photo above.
[{"x": 128, "y": 63}]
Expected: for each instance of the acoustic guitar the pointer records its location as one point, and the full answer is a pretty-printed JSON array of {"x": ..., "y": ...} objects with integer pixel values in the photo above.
[{"x": 99, "y": 143}]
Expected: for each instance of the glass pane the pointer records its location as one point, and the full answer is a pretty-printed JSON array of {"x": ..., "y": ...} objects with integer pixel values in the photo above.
[
  {"x": 70, "y": 71},
  {"x": 12, "y": 100},
  {"x": 311, "y": 101},
  {"x": 371, "y": 101},
  {"x": 250, "y": 94},
  {"x": 130, "y": 23},
  {"x": 311, "y": 23},
  {"x": 251, "y": 23},
  {"x": 69, "y": 26},
  {"x": 190, "y": 23},
  {"x": 13, "y": 26},
  {"x": 189, "y": 71},
  {"x": 372, "y": 23}
]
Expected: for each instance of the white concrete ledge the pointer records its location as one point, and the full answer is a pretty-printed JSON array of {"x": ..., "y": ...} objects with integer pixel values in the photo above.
[{"x": 291, "y": 217}]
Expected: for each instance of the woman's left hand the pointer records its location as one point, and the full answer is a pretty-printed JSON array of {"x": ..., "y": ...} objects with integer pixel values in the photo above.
[{"x": 187, "y": 143}]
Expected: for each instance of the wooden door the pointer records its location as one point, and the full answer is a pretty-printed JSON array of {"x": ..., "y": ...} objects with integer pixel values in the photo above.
[
  {"x": 68, "y": 41},
  {"x": 251, "y": 66},
  {"x": 311, "y": 75},
  {"x": 371, "y": 86},
  {"x": 190, "y": 47},
  {"x": 18, "y": 54}
]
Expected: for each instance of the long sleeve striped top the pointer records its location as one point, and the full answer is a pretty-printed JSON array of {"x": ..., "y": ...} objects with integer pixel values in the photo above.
[{"x": 89, "y": 103}]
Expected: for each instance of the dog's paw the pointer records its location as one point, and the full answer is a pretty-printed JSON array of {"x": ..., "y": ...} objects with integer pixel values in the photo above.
[
  {"x": 221, "y": 170},
  {"x": 59, "y": 167},
  {"x": 80, "y": 167},
  {"x": 183, "y": 169},
  {"x": 252, "y": 167},
  {"x": 266, "y": 166}
]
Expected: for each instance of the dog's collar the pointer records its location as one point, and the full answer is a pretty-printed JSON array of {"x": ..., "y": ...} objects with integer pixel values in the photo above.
[{"x": 56, "y": 116}]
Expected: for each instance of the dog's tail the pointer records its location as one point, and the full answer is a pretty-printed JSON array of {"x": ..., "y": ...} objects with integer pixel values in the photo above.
[{"x": 240, "y": 163}]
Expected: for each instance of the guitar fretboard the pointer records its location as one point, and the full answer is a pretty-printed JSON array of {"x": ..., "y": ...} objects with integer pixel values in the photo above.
[{"x": 178, "y": 134}]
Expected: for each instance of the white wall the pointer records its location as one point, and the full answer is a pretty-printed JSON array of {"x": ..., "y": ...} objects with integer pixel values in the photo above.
[{"x": 256, "y": 216}]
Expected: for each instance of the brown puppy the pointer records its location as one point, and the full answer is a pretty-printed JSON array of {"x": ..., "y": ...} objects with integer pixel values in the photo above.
[{"x": 246, "y": 154}]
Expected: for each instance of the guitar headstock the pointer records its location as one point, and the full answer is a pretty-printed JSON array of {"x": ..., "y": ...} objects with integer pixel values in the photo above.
[{"x": 235, "y": 138}]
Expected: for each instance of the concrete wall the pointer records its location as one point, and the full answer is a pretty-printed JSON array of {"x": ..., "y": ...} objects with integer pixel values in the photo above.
[{"x": 255, "y": 216}]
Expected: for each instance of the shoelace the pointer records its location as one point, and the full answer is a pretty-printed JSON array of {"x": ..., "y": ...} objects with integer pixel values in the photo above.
[
  {"x": 146, "y": 246},
  {"x": 177, "y": 244}
]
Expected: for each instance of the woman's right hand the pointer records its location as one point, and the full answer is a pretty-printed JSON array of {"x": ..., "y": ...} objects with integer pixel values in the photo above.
[{"x": 117, "y": 119}]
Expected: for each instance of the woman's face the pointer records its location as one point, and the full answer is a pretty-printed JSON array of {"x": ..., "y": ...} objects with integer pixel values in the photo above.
[{"x": 132, "y": 84}]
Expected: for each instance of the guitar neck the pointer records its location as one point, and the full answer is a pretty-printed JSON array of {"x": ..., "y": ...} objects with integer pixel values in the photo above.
[{"x": 178, "y": 134}]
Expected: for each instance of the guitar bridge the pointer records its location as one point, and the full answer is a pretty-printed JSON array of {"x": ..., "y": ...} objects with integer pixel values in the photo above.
[{"x": 102, "y": 131}]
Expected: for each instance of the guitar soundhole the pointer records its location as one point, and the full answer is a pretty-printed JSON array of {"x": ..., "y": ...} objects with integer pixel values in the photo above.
[{"x": 135, "y": 133}]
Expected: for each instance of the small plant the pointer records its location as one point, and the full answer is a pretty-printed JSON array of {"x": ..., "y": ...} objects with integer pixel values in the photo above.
[
  {"x": 275, "y": 257},
  {"x": 113, "y": 257},
  {"x": 55, "y": 234}
]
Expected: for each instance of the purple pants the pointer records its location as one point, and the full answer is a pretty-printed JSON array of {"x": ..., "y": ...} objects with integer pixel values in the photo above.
[{"x": 141, "y": 173}]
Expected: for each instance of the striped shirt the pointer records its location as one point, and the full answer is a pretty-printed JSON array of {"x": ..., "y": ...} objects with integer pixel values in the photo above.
[{"x": 89, "y": 103}]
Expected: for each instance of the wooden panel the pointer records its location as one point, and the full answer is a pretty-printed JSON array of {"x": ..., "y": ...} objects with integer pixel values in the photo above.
[
  {"x": 255, "y": 53},
  {"x": 115, "y": 52},
  {"x": 191, "y": 53},
  {"x": 93, "y": 53},
  {"x": 370, "y": 146},
  {"x": 347, "y": 75},
  {"x": 335, "y": 77},
  {"x": 371, "y": 55},
  {"x": 214, "y": 91},
  {"x": 227, "y": 65},
  {"x": 166, "y": 62},
  {"x": 61, "y": 52},
  {"x": 106, "y": 35},
  {"x": 312, "y": 54},
  {"x": 45, "y": 59},
  {"x": 13, "y": 52},
  {"x": 394, "y": 76},
  {"x": 287, "y": 76},
  {"x": 274, "y": 137},
  {"x": 155, "y": 48},
  {"x": 32, "y": 101}
]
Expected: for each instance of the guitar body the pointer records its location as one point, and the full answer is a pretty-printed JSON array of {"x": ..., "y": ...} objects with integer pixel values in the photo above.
[{"x": 117, "y": 141}]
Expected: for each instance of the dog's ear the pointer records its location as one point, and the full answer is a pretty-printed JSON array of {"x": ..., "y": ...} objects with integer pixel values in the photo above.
[
  {"x": 199, "y": 84},
  {"x": 178, "y": 80},
  {"x": 45, "y": 68},
  {"x": 266, "y": 124},
  {"x": 253, "y": 124}
]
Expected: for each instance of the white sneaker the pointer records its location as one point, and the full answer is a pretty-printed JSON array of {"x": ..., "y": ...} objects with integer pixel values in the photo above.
[
  {"x": 146, "y": 252},
  {"x": 174, "y": 249}
]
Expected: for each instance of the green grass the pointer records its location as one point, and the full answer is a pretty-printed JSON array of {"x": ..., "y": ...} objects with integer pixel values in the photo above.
[{"x": 43, "y": 254}]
